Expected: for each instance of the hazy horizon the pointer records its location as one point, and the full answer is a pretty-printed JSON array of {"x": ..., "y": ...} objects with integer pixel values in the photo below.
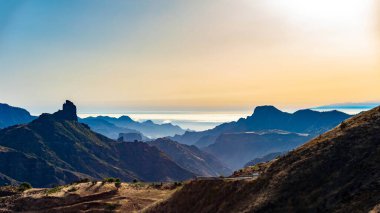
[
  {"x": 188, "y": 55},
  {"x": 203, "y": 119}
]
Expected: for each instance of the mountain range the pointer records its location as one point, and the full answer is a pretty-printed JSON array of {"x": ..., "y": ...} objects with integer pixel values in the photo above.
[
  {"x": 112, "y": 127},
  {"x": 10, "y": 116},
  {"x": 266, "y": 131},
  {"x": 268, "y": 118},
  {"x": 57, "y": 149},
  {"x": 236, "y": 149},
  {"x": 338, "y": 171}
]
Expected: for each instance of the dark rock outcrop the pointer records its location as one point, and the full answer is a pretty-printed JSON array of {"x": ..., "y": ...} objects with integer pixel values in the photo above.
[
  {"x": 56, "y": 149},
  {"x": 68, "y": 112}
]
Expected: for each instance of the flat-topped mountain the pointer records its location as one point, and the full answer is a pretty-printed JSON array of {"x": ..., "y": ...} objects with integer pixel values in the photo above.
[
  {"x": 57, "y": 149},
  {"x": 192, "y": 158},
  {"x": 269, "y": 118},
  {"x": 338, "y": 171},
  {"x": 10, "y": 116}
]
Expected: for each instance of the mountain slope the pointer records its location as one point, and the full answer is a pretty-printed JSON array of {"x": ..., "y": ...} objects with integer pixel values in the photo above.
[
  {"x": 191, "y": 158},
  {"x": 336, "y": 172},
  {"x": 264, "y": 158},
  {"x": 236, "y": 149},
  {"x": 124, "y": 124},
  {"x": 269, "y": 118},
  {"x": 10, "y": 116},
  {"x": 57, "y": 149}
]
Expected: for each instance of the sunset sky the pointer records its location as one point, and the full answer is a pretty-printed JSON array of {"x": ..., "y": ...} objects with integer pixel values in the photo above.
[{"x": 112, "y": 55}]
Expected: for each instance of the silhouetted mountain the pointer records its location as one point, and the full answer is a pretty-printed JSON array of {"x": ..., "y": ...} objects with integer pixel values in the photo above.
[
  {"x": 191, "y": 158},
  {"x": 132, "y": 136},
  {"x": 264, "y": 158},
  {"x": 105, "y": 128},
  {"x": 147, "y": 128},
  {"x": 10, "y": 116},
  {"x": 56, "y": 149},
  {"x": 269, "y": 118},
  {"x": 336, "y": 172},
  {"x": 236, "y": 149}
]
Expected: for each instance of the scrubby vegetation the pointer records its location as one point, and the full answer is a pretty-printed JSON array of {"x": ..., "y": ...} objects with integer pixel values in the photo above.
[
  {"x": 110, "y": 180},
  {"x": 24, "y": 186},
  {"x": 337, "y": 172}
]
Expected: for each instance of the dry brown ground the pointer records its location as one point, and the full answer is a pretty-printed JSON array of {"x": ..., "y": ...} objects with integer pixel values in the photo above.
[{"x": 86, "y": 197}]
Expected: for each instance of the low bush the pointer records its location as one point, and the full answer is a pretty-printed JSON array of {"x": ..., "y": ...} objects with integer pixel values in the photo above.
[
  {"x": 110, "y": 180},
  {"x": 24, "y": 186}
]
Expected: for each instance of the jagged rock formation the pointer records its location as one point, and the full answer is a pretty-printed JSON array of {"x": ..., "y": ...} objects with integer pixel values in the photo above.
[
  {"x": 68, "y": 112},
  {"x": 56, "y": 149}
]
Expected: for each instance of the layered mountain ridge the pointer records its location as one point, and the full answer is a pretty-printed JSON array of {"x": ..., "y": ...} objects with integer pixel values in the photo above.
[
  {"x": 269, "y": 118},
  {"x": 112, "y": 127},
  {"x": 57, "y": 149},
  {"x": 338, "y": 171}
]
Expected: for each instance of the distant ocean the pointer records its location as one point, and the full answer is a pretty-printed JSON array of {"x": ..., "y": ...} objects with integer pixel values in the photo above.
[
  {"x": 187, "y": 120},
  {"x": 199, "y": 121}
]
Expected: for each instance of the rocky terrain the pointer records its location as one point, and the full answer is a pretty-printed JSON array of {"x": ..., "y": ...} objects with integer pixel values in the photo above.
[
  {"x": 85, "y": 197},
  {"x": 57, "y": 149},
  {"x": 338, "y": 171}
]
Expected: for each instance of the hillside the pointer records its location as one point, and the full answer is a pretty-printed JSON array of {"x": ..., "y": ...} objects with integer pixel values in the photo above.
[
  {"x": 84, "y": 197},
  {"x": 269, "y": 118},
  {"x": 57, "y": 149},
  {"x": 10, "y": 116},
  {"x": 336, "y": 172},
  {"x": 264, "y": 158},
  {"x": 111, "y": 127},
  {"x": 191, "y": 158}
]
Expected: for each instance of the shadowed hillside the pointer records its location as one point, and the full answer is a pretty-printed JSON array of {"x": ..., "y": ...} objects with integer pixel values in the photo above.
[
  {"x": 336, "y": 172},
  {"x": 57, "y": 149},
  {"x": 236, "y": 149},
  {"x": 191, "y": 158}
]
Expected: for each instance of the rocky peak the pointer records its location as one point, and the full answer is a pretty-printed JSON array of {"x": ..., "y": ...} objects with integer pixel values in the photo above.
[
  {"x": 266, "y": 110},
  {"x": 68, "y": 112}
]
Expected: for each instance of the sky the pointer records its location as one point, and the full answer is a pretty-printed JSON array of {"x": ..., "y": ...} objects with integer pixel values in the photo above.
[{"x": 112, "y": 56}]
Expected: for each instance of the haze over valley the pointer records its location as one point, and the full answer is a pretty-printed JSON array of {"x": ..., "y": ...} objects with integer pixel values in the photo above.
[{"x": 217, "y": 106}]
